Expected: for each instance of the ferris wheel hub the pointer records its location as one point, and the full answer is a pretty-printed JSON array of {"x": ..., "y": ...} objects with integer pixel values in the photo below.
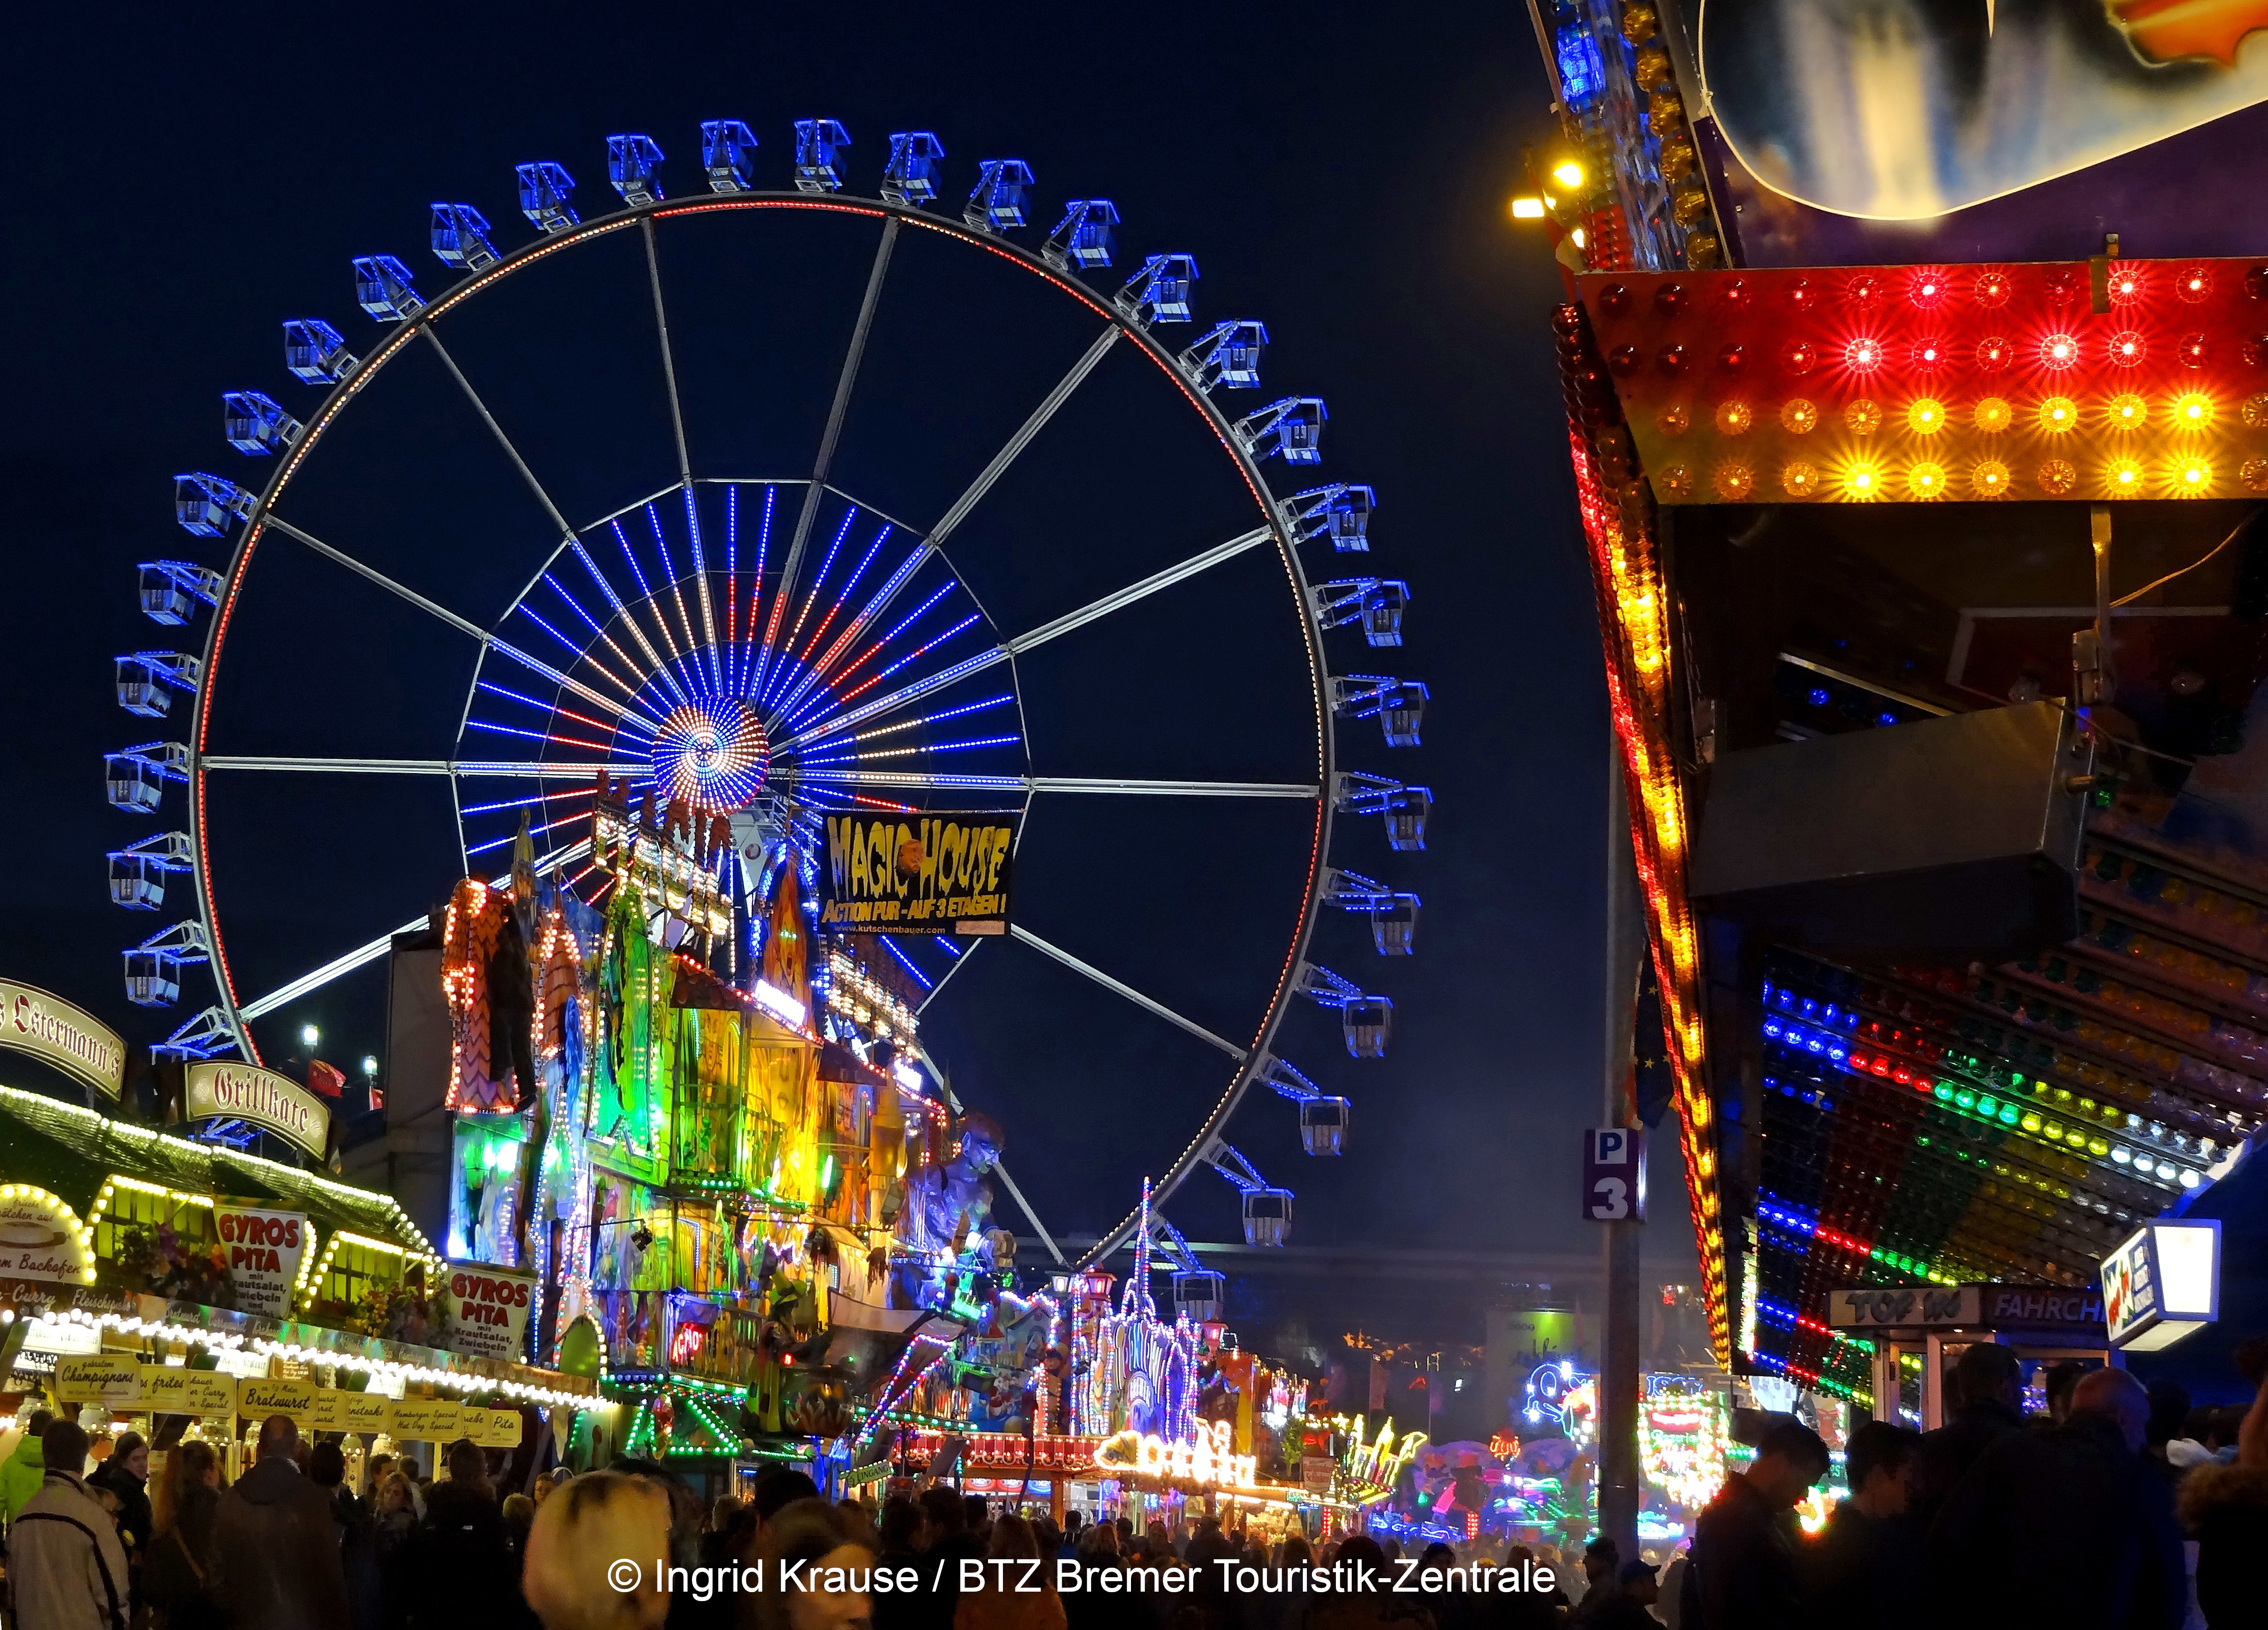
[{"x": 712, "y": 751}]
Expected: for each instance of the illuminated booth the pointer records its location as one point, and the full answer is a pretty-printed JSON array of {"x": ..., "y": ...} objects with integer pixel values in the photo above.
[
  {"x": 1923, "y": 521},
  {"x": 191, "y": 1288}
]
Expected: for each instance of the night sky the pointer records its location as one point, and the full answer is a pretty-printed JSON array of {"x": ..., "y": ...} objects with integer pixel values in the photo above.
[{"x": 184, "y": 182}]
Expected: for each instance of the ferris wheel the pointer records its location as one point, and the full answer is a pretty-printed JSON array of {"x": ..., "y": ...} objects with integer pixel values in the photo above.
[{"x": 767, "y": 645}]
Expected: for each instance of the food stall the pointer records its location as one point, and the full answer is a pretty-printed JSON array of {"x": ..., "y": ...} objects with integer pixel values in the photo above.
[{"x": 190, "y": 1289}]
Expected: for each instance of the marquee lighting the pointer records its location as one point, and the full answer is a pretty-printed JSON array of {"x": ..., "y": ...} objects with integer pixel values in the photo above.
[
  {"x": 1634, "y": 610},
  {"x": 1204, "y": 1459},
  {"x": 273, "y": 1170},
  {"x": 780, "y": 1005},
  {"x": 1988, "y": 370}
]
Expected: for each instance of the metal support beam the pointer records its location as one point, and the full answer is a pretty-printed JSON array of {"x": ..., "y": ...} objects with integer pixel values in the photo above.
[
  {"x": 1621, "y": 1487},
  {"x": 496, "y": 429},
  {"x": 1141, "y": 590},
  {"x": 1127, "y": 991},
  {"x": 954, "y": 516},
  {"x": 829, "y": 438},
  {"x": 462, "y": 768}
]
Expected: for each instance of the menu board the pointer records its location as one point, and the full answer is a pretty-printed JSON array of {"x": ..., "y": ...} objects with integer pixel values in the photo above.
[
  {"x": 112, "y": 1379},
  {"x": 256, "y": 1400},
  {"x": 428, "y": 1420},
  {"x": 170, "y": 1390}
]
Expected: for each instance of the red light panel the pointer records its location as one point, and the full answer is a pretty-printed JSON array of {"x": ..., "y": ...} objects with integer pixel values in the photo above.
[{"x": 1918, "y": 384}]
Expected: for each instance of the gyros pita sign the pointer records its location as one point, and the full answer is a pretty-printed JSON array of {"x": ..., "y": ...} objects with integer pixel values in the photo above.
[
  {"x": 53, "y": 1031},
  {"x": 486, "y": 1309},
  {"x": 219, "y": 1089},
  {"x": 265, "y": 1248}
]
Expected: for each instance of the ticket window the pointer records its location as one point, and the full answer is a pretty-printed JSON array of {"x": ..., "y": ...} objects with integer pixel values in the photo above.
[{"x": 1915, "y": 1370}]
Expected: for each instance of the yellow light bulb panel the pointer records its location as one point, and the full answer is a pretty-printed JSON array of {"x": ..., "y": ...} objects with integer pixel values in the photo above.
[{"x": 1854, "y": 386}]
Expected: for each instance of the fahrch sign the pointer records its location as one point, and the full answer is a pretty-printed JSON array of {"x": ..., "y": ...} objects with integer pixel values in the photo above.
[
  {"x": 486, "y": 1309},
  {"x": 265, "y": 1249},
  {"x": 218, "y": 1090},
  {"x": 70, "y": 1039},
  {"x": 2078, "y": 1312}
]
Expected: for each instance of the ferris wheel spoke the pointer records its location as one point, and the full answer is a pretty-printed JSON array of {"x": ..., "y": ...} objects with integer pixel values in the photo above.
[
  {"x": 362, "y": 956},
  {"x": 684, "y": 459},
  {"x": 462, "y": 625},
  {"x": 677, "y": 592},
  {"x": 660, "y": 670},
  {"x": 1137, "y": 591},
  {"x": 823, "y": 726},
  {"x": 1148, "y": 1004},
  {"x": 951, "y": 518},
  {"x": 459, "y": 768},
  {"x": 668, "y": 361},
  {"x": 1174, "y": 788},
  {"x": 828, "y": 439},
  {"x": 674, "y": 670},
  {"x": 496, "y": 429},
  {"x": 1113, "y": 786},
  {"x": 896, "y": 699},
  {"x": 338, "y": 967},
  {"x": 1022, "y": 439},
  {"x": 959, "y": 957}
]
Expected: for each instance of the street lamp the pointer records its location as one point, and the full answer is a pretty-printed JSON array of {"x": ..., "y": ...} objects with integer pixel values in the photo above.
[
  {"x": 309, "y": 1036},
  {"x": 370, "y": 1066}
]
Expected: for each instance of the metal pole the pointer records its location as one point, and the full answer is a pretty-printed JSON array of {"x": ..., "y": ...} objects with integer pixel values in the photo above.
[{"x": 1619, "y": 1353}]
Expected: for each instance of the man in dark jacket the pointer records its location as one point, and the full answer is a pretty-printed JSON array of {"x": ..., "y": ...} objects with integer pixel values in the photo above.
[
  {"x": 458, "y": 1568},
  {"x": 2064, "y": 1526},
  {"x": 946, "y": 1543},
  {"x": 1987, "y": 1398},
  {"x": 1863, "y": 1568},
  {"x": 279, "y": 1553},
  {"x": 1742, "y": 1573}
]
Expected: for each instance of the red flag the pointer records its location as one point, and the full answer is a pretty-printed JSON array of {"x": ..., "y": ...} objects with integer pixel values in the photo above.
[{"x": 324, "y": 1079}]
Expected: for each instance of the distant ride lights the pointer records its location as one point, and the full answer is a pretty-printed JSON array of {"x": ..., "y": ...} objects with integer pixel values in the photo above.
[{"x": 1204, "y": 1459}]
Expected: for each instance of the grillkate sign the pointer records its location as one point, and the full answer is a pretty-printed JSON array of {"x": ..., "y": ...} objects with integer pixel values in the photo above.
[
  {"x": 218, "y": 1090},
  {"x": 56, "y": 1033}
]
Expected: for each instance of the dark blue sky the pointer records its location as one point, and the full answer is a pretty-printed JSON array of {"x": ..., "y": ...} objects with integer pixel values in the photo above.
[{"x": 186, "y": 180}]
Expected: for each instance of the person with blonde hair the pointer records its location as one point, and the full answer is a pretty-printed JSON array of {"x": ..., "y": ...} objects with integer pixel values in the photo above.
[
  {"x": 824, "y": 1538},
  {"x": 599, "y": 1534},
  {"x": 191, "y": 1461}
]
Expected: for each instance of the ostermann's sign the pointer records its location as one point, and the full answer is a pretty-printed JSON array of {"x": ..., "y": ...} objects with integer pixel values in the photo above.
[
  {"x": 70, "y": 1039},
  {"x": 219, "y": 1089}
]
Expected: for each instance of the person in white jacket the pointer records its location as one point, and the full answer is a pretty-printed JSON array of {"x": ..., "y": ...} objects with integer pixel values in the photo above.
[{"x": 66, "y": 1564}]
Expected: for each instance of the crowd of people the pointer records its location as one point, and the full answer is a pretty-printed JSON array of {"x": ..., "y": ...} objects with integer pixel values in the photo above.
[
  {"x": 2119, "y": 1507},
  {"x": 290, "y": 1545}
]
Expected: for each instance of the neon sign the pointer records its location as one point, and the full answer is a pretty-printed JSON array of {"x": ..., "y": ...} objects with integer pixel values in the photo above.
[{"x": 1205, "y": 1458}]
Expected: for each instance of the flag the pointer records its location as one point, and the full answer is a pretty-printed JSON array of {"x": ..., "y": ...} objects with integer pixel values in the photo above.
[{"x": 324, "y": 1079}]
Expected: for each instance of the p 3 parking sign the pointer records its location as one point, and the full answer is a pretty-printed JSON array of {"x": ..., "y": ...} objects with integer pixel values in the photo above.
[{"x": 1614, "y": 1174}]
